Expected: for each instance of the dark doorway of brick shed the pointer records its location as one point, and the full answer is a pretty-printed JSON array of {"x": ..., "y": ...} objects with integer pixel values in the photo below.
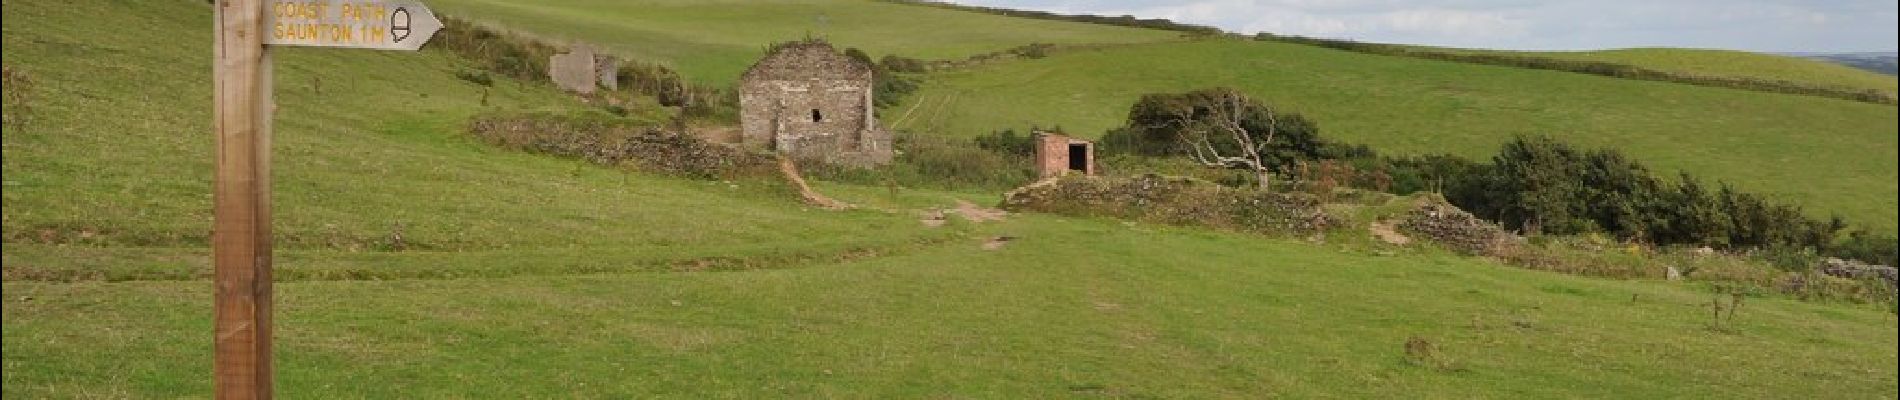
[{"x": 1079, "y": 157}]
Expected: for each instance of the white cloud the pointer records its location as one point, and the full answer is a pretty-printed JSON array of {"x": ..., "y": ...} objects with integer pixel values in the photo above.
[{"x": 1452, "y": 22}]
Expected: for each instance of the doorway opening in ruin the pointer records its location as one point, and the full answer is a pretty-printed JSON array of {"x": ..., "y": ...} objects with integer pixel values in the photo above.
[
  {"x": 816, "y": 116},
  {"x": 1079, "y": 157}
]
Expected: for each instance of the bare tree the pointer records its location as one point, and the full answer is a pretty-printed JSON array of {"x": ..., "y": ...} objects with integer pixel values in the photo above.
[{"x": 1204, "y": 136}]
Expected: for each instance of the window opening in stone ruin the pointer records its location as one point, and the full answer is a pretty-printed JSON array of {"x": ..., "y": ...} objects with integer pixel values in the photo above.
[
  {"x": 1079, "y": 157},
  {"x": 816, "y": 116}
]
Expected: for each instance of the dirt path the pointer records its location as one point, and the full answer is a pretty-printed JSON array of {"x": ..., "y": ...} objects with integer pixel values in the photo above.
[
  {"x": 790, "y": 170},
  {"x": 1388, "y": 233}
]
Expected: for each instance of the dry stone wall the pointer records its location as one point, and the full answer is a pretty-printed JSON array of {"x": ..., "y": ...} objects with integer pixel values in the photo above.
[
  {"x": 1175, "y": 201},
  {"x": 1454, "y": 228},
  {"x": 607, "y": 143}
]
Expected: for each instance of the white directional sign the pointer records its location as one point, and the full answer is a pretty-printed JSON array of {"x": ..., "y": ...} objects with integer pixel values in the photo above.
[{"x": 366, "y": 24}]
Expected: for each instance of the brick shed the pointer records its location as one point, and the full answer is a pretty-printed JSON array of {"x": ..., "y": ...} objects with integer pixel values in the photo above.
[{"x": 1058, "y": 154}]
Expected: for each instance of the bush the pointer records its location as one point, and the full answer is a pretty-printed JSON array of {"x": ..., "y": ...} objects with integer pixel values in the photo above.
[
  {"x": 902, "y": 64},
  {"x": 953, "y": 164},
  {"x": 935, "y": 162},
  {"x": 888, "y": 85},
  {"x": 475, "y": 77},
  {"x": 1868, "y": 247},
  {"x": 1162, "y": 124},
  {"x": 507, "y": 55},
  {"x": 1538, "y": 184},
  {"x": 1008, "y": 143},
  {"x": 1789, "y": 258}
]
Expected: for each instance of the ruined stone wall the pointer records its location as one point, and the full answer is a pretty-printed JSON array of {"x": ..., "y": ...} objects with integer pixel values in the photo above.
[
  {"x": 574, "y": 71},
  {"x": 789, "y": 115},
  {"x": 808, "y": 101},
  {"x": 607, "y": 71}
]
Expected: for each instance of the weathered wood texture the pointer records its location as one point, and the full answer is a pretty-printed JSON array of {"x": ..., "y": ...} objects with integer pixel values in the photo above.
[{"x": 241, "y": 200}]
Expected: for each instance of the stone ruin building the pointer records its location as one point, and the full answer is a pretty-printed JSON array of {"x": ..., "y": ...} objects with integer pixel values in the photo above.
[
  {"x": 1058, "y": 155},
  {"x": 807, "y": 100},
  {"x": 582, "y": 70}
]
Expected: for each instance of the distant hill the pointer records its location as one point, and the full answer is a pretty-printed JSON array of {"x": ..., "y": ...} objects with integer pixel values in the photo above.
[
  {"x": 710, "y": 42},
  {"x": 1731, "y": 64},
  {"x": 1886, "y": 63}
]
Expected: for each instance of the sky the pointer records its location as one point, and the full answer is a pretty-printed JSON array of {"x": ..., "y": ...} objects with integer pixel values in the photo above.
[{"x": 1754, "y": 25}]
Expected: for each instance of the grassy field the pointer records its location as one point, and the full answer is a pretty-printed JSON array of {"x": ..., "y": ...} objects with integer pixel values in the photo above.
[
  {"x": 526, "y": 276},
  {"x": 1759, "y": 141},
  {"x": 714, "y": 41},
  {"x": 1071, "y": 308}
]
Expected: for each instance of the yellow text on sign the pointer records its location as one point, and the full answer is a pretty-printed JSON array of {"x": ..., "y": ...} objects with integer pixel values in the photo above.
[{"x": 329, "y": 23}]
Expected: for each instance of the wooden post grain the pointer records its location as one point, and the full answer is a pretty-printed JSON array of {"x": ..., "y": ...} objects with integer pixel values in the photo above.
[{"x": 240, "y": 238}]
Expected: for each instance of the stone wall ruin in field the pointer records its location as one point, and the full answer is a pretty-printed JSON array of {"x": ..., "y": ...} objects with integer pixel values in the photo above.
[{"x": 808, "y": 101}]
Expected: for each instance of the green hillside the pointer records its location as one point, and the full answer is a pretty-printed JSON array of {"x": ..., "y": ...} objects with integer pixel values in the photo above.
[
  {"x": 1730, "y": 63},
  {"x": 713, "y": 41},
  {"x": 117, "y": 155},
  {"x": 1759, "y": 141},
  {"x": 527, "y": 276},
  {"x": 1383, "y": 101}
]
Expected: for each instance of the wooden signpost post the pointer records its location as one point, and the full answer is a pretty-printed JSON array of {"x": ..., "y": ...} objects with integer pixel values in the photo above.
[{"x": 242, "y": 109}]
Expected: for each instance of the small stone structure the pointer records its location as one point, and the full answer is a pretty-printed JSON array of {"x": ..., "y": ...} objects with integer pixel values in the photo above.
[
  {"x": 806, "y": 100},
  {"x": 1058, "y": 155},
  {"x": 582, "y": 70}
]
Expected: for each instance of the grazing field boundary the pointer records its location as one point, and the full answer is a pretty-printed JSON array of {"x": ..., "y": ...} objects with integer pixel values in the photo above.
[{"x": 1614, "y": 70}]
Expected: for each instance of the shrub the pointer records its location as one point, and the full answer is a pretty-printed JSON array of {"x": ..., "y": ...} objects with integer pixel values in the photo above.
[
  {"x": 955, "y": 164},
  {"x": 934, "y": 162},
  {"x": 475, "y": 77},
  {"x": 1163, "y": 124},
  {"x": 1789, "y": 258},
  {"x": 888, "y": 85},
  {"x": 1538, "y": 184},
  {"x": 492, "y": 50},
  {"x": 1007, "y": 142},
  {"x": 895, "y": 63},
  {"x": 1866, "y": 246}
]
